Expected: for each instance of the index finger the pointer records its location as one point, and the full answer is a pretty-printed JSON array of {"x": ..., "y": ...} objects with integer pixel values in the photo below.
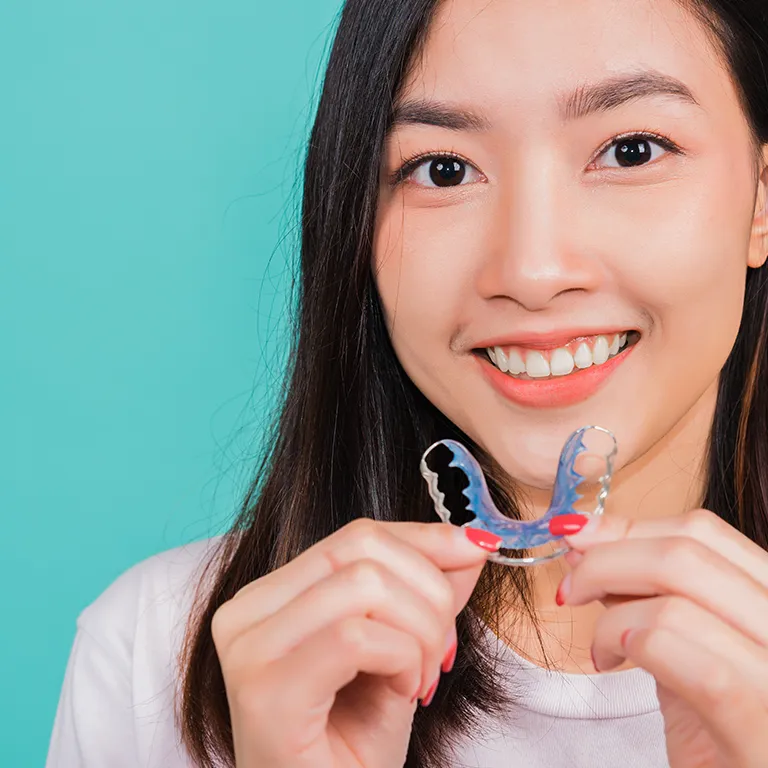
[
  {"x": 418, "y": 553},
  {"x": 699, "y": 524}
]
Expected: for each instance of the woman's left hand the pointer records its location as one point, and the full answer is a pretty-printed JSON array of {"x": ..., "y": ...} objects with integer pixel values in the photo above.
[{"x": 687, "y": 600}]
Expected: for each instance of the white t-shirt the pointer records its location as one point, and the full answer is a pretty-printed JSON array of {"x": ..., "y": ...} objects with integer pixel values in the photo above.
[{"x": 116, "y": 705}]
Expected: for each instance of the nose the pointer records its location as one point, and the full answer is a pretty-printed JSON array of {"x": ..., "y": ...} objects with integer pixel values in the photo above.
[{"x": 533, "y": 252}]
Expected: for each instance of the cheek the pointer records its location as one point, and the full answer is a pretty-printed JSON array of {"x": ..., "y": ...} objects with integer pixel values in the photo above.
[
  {"x": 424, "y": 261},
  {"x": 687, "y": 264},
  {"x": 684, "y": 262}
]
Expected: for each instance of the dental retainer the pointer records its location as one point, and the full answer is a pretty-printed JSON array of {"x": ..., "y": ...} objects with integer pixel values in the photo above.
[{"x": 586, "y": 462}]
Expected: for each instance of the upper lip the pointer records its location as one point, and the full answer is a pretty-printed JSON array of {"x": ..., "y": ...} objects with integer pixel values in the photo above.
[{"x": 549, "y": 339}]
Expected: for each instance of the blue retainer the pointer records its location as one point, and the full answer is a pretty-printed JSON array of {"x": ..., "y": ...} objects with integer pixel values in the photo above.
[{"x": 596, "y": 465}]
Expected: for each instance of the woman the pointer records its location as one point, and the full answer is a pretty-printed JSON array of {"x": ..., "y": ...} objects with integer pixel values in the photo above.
[{"x": 519, "y": 218}]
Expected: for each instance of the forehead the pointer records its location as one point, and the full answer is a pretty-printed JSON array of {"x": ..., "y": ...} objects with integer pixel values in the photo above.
[{"x": 520, "y": 52}]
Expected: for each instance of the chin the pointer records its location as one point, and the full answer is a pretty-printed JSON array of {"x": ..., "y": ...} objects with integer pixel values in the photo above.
[
  {"x": 531, "y": 455},
  {"x": 532, "y": 461}
]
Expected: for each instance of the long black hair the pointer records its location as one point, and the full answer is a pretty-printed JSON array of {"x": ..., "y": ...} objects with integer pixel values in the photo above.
[{"x": 351, "y": 425}]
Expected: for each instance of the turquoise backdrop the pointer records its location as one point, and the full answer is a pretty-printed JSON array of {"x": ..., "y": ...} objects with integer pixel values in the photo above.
[{"x": 149, "y": 154}]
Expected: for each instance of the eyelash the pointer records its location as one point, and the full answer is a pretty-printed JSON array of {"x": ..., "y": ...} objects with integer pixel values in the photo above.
[{"x": 410, "y": 165}]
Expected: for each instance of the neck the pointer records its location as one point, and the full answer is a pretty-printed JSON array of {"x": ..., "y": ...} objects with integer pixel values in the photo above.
[{"x": 668, "y": 479}]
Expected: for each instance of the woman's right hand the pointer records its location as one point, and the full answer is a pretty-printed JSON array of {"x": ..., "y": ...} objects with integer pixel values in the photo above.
[{"x": 324, "y": 659}]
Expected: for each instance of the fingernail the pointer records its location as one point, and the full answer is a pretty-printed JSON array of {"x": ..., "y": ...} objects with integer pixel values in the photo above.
[
  {"x": 625, "y": 637},
  {"x": 563, "y": 590},
  {"x": 430, "y": 694},
  {"x": 592, "y": 655},
  {"x": 567, "y": 525},
  {"x": 484, "y": 539},
  {"x": 449, "y": 659}
]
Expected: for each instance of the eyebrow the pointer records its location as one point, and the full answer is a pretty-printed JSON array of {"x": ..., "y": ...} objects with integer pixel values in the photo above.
[{"x": 585, "y": 100}]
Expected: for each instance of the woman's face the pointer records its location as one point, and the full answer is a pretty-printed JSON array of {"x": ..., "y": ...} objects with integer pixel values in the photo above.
[{"x": 538, "y": 223}]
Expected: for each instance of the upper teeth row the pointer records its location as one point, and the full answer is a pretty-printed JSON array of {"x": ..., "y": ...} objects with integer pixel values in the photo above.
[{"x": 561, "y": 362}]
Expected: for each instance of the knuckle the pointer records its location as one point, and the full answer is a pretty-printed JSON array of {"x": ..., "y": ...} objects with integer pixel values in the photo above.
[
  {"x": 350, "y": 637},
  {"x": 671, "y": 614},
  {"x": 360, "y": 538},
  {"x": 720, "y": 686},
  {"x": 701, "y": 524},
  {"x": 679, "y": 556},
  {"x": 369, "y": 577},
  {"x": 363, "y": 536},
  {"x": 362, "y": 530}
]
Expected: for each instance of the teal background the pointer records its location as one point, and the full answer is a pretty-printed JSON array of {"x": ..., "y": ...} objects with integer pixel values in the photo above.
[{"x": 149, "y": 156}]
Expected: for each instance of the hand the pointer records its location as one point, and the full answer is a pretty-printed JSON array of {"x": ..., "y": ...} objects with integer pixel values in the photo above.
[
  {"x": 324, "y": 658},
  {"x": 687, "y": 600}
]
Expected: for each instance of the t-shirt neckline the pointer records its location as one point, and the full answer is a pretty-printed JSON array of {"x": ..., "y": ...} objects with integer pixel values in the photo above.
[{"x": 599, "y": 696}]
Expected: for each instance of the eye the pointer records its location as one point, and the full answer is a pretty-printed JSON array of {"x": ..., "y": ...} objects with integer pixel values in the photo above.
[
  {"x": 439, "y": 171},
  {"x": 636, "y": 150}
]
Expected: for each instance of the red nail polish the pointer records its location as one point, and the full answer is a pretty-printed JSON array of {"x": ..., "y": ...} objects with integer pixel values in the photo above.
[
  {"x": 430, "y": 694},
  {"x": 567, "y": 525},
  {"x": 449, "y": 659},
  {"x": 624, "y": 635},
  {"x": 484, "y": 539},
  {"x": 563, "y": 590}
]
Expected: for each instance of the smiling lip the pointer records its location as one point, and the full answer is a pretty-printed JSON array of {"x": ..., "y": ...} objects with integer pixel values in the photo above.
[
  {"x": 548, "y": 340},
  {"x": 558, "y": 392}
]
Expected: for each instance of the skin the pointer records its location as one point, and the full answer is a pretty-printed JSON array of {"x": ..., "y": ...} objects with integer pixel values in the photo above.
[
  {"x": 686, "y": 599},
  {"x": 541, "y": 242},
  {"x": 545, "y": 235},
  {"x": 323, "y": 659}
]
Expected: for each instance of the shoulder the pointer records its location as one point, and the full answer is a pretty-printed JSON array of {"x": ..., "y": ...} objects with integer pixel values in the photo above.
[
  {"x": 117, "y": 703},
  {"x": 165, "y": 581},
  {"x": 146, "y": 608}
]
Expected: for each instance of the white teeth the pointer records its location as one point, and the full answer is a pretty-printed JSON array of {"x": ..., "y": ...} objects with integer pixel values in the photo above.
[
  {"x": 561, "y": 362},
  {"x": 583, "y": 356},
  {"x": 536, "y": 365},
  {"x": 515, "y": 362},
  {"x": 501, "y": 359},
  {"x": 600, "y": 351}
]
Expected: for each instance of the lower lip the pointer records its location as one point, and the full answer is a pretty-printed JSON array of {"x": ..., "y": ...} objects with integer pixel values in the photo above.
[{"x": 558, "y": 392}]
